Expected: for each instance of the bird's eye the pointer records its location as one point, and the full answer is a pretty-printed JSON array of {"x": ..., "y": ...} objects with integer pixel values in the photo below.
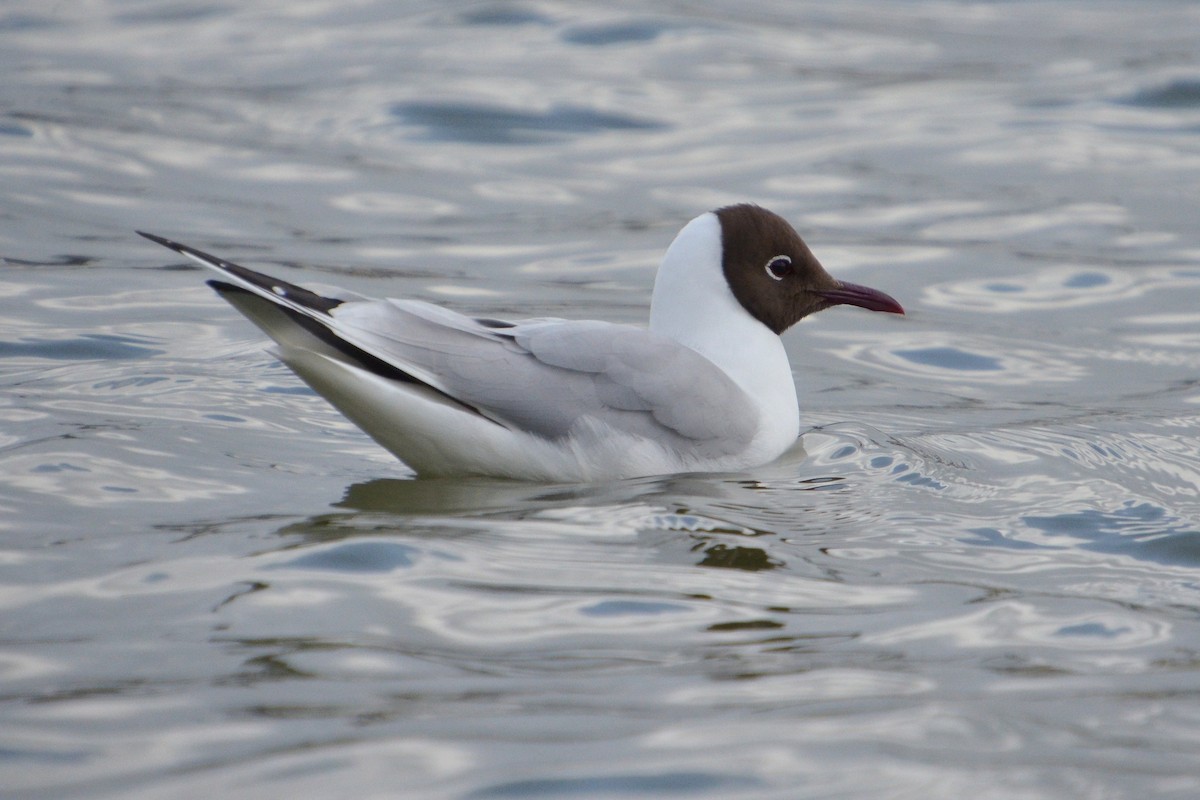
[{"x": 779, "y": 267}]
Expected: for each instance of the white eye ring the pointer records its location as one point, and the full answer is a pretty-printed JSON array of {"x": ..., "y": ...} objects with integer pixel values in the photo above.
[{"x": 778, "y": 267}]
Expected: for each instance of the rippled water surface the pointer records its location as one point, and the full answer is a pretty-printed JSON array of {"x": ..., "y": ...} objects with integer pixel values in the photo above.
[{"x": 979, "y": 577}]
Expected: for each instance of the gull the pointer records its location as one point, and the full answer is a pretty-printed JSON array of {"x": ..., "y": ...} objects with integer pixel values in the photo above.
[{"x": 707, "y": 387}]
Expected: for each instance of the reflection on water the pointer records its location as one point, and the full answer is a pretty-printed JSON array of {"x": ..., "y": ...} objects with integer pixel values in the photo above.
[
  {"x": 670, "y": 783},
  {"x": 1178, "y": 93},
  {"x": 1137, "y": 530},
  {"x": 975, "y": 576},
  {"x": 950, "y": 358},
  {"x": 86, "y": 347},
  {"x": 483, "y": 125},
  {"x": 723, "y": 556}
]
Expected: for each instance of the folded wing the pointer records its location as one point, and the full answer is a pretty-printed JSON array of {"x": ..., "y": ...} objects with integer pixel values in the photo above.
[{"x": 542, "y": 376}]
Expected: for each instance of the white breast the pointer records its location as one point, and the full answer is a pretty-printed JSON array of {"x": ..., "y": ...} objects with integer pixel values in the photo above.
[{"x": 694, "y": 305}]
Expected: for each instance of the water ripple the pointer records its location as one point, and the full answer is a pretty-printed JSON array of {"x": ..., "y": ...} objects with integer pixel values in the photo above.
[
  {"x": 616, "y": 33},
  {"x": 1050, "y": 288},
  {"x": 1076, "y": 221},
  {"x": 974, "y": 359},
  {"x": 633, "y": 785},
  {"x": 479, "y": 123},
  {"x": 1177, "y": 93},
  {"x": 86, "y": 347},
  {"x": 1014, "y": 623},
  {"x": 93, "y": 481}
]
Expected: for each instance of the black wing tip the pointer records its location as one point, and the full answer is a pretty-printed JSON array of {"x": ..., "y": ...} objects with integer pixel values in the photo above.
[
  {"x": 224, "y": 287},
  {"x": 192, "y": 252},
  {"x": 182, "y": 249},
  {"x": 274, "y": 286},
  {"x": 176, "y": 246}
]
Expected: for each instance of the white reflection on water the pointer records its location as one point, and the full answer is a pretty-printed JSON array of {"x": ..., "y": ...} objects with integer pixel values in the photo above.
[
  {"x": 93, "y": 481},
  {"x": 1014, "y": 623}
]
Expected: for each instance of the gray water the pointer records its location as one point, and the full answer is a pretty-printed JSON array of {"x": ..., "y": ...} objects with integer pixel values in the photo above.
[{"x": 981, "y": 577}]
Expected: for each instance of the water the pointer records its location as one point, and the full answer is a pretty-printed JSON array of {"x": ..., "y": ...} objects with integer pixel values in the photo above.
[{"x": 980, "y": 577}]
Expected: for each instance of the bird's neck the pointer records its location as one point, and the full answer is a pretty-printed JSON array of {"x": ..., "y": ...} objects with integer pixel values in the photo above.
[{"x": 693, "y": 304}]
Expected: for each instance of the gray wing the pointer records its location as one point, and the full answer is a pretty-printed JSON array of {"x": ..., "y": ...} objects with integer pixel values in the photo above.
[{"x": 544, "y": 375}]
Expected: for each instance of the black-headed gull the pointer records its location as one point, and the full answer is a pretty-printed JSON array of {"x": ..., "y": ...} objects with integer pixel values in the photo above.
[{"x": 707, "y": 387}]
